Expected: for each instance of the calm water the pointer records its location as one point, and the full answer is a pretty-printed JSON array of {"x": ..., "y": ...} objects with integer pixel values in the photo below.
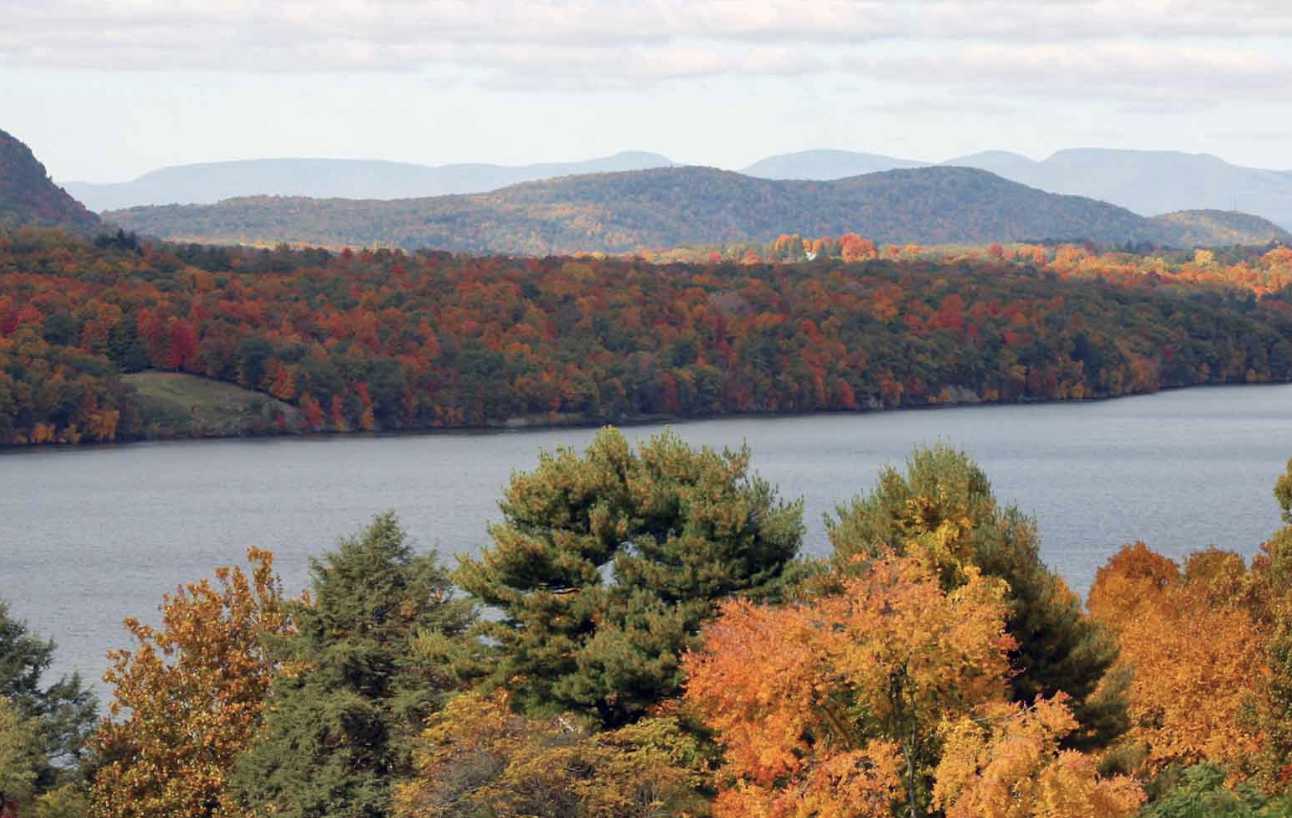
[{"x": 89, "y": 536}]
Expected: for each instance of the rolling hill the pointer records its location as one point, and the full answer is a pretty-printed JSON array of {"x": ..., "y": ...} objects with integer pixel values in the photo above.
[
  {"x": 1219, "y": 227},
  {"x": 1150, "y": 182},
  {"x": 670, "y": 207},
  {"x": 1146, "y": 182},
  {"x": 334, "y": 178},
  {"x": 28, "y": 197}
]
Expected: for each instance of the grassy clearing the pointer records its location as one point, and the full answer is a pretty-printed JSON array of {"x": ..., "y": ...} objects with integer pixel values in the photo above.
[{"x": 175, "y": 404}]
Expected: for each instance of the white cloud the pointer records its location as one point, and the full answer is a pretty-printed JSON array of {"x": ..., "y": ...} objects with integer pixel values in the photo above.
[
  {"x": 1125, "y": 48},
  {"x": 1146, "y": 73}
]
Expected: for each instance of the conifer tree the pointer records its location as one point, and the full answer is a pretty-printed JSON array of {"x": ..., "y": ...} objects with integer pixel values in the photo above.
[
  {"x": 21, "y": 756},
  {"x": 1272, "y": 571},
  {"x": 607, "y": 563},
  {"x": 62, "y": 713},
  {"x": 354, "y": 690}
]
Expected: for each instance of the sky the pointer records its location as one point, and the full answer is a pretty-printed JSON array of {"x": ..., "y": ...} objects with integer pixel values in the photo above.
[{"x": 104, "y": 90}]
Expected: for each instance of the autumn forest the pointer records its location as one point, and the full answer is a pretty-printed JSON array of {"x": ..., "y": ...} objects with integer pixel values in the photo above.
[{"x": 385, "y": 340}]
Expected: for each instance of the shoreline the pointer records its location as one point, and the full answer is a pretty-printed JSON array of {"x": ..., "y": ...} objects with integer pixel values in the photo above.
[{"x": 539, "y": 423}]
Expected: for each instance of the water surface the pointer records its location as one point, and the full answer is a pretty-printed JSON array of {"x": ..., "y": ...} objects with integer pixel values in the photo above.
[{"x": 89, "y": 536}]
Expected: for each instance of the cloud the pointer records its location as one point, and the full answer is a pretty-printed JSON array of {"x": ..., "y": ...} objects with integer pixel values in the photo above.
[
  {"x": 937, "y": 106},
  {"x": 1126, "y": 49},
  {"x": 1153, "y": 75},
  {"x": 523, "y": 67}
]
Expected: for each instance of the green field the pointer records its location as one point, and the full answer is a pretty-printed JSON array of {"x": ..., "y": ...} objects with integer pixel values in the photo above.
[{"x": 175, "y": 404}]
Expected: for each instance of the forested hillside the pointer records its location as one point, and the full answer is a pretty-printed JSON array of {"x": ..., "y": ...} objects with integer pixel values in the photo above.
[
  {"x": 1219, "y": 227},
  {"x": 28, "y": 197},
  {"x": 668, "y": 207},
  {"x": 388, "y": 340},
  {"x": 1145, "y": 181}
]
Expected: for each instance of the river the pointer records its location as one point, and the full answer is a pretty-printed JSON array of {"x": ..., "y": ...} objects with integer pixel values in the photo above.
[{"x": 89, "y": 536}]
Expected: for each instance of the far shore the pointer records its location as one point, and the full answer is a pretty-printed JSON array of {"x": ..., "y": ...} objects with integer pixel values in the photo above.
[{"x": 538, "y": 423}]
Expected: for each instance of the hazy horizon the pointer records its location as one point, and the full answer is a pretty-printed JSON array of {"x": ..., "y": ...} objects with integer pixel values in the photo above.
[
  {"x": 631, "y": 150},
  {"x": 107, "y": 91}
]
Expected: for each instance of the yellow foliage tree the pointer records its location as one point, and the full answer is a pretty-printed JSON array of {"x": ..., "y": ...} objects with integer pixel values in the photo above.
[
  {"x": 1006, "y": 763},
  {"x": 1195, "y": 649},
  {"x": 477, "y": 757},
  {"x": 188, "y": 698}
]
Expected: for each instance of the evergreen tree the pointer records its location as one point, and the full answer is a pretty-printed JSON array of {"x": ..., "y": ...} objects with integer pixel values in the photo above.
[
  {"x": 1201, "y": 791},
  {"x": 125, "y": 348},
  {"x": 354, "y": 691},
  {"x": 1283, "y": 493},
  {"x": 1272, "y": 571},
  {"x": 943, "y": 507},
  {"x": 21, "y": 757},
  {"x": 606, "y": 565},
  {"x": 61, "y": 714}
]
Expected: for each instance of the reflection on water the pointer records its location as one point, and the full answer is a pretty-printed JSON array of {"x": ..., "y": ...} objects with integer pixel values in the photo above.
[{"x": 89, "y": 536}]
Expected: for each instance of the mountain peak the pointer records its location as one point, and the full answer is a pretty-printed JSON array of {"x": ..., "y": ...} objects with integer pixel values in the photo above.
[
  {"x": 28, "y": 197},
  {"x": 993, "y": 155},
  {"x": 826, "y": 164}
]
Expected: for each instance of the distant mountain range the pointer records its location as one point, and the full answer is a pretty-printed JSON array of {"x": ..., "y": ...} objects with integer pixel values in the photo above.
[
  {"x": 1146, "y": 182},
  {"x": 28, "y": 197},
  {"x": 677, "y": 206},
  {"x": 334, "y": 178}
]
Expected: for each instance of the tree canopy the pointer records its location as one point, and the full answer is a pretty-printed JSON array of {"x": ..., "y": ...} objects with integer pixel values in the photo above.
[
  {"x": 354, "y": 692},
  {"x": 943, "y": 510},
  {"x": 188, "y": 698},
  {"x": 381, "y": 339},
  {"x": 607, "y": 563},
  {"x": 59, "y": 715}
]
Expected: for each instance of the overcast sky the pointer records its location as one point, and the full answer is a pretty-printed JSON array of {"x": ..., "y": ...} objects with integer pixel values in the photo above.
[{"x": 104, "y": 90}]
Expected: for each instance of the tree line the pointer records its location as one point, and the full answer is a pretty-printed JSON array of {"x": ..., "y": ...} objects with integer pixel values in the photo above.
[
  {"x": 644, "y": 637},
  {"x": 385, "y": 340}
]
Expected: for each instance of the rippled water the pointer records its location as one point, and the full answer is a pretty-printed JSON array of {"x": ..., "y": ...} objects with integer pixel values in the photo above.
[{"x": 89, "y": 536}]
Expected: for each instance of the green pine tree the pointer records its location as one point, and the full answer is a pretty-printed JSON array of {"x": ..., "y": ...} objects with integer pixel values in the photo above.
[
  {"x": 1283, "y": 493},
  {"x": 125, "y": 348},
  {"x": 354, "y": 689},
  {"x": 606, "y": 565},
  {"x": 1273, "y": 570},
  {"x": 1201, "y": 791},
  {"x": 62, "y": 714}
]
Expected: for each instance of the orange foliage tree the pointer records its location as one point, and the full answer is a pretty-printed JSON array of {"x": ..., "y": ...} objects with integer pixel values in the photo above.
[
  {"x": 832, "y": 707},
  {"x": 854, "y": 248}
]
